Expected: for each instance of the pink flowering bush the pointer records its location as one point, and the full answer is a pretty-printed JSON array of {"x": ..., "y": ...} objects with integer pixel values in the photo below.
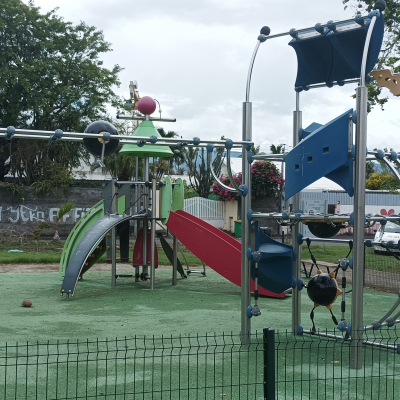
[{"x": 267, "y": 181}]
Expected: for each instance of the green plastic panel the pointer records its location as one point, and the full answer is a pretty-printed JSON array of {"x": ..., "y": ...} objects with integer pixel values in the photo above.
[
  {"x": 178, "y": 195},
  {"x": 166, "y": 200}
]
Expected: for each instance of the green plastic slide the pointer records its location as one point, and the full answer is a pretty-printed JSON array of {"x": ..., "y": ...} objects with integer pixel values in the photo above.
[
  {"x": 80, "y": 229},
  {"x": 78, "y": 232}
]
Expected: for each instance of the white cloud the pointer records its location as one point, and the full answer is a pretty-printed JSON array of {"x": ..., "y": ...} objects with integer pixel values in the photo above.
[{"x": 194, "y": 56}]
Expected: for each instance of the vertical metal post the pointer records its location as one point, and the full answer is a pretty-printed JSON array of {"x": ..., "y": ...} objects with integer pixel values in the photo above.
[
  {"x": 356, "y": 356},
  {"x": 296, "y": 297},
  {"x": 114, "y": 193},
  {"x": 269, "y": 363},
  {"x": 146, "y": 207},
  {"x": 175, "y": 259},
  {"x": 136, "y": 206},
  {"x": 153, "y": 233},
  {"x": 246, "y": 205},
  {"x": 356, "y": 350}
]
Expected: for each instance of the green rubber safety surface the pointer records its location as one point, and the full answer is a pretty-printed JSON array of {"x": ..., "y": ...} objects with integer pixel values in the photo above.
[
  {"x": 136, "y": 363},
  {"x": 195, "y": 305}
]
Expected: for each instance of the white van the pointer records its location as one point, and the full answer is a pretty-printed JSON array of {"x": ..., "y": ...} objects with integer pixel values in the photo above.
[{"x": 391, "y": 232}]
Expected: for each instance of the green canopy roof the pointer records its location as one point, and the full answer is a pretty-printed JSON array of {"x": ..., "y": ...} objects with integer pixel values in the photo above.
[{"x": 146, "y": 129}]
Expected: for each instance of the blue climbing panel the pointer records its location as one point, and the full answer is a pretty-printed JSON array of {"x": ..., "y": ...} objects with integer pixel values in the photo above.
[
  {"x": 335, "y": 55},
  {"x": 323, "y": 153},
  {"x": 275, "y": 268}
]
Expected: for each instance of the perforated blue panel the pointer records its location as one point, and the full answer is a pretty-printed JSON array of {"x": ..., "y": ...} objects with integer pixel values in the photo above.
[
  {"x": 323, "y": 153},
  {"x": 336, "y": 56}
]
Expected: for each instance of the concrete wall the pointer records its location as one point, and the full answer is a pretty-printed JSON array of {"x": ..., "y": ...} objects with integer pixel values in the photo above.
[
  {"x": 23, "y": 213},
  {"x": 231, "y": 215}
]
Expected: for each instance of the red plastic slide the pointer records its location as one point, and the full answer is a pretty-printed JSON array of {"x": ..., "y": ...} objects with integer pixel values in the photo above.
[{"x": 215, "y": 248}]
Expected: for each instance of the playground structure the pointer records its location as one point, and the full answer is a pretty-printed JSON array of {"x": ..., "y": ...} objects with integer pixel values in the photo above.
[
  {"x": 318, "y": 150},
  {"x": 324, "y": 61}
]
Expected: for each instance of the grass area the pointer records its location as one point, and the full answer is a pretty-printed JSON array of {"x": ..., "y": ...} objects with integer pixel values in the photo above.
[
  {"x": 49, "y": 252},
  {"x": 328, "y": 253}
]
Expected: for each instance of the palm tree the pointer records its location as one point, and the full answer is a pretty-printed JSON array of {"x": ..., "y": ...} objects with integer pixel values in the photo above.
[
  {"x": 276, "y": 149},
  {"x": 41, "y": 226}
]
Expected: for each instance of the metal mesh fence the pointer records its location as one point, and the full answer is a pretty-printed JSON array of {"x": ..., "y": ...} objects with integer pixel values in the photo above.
[
  {"x": 382, "y": 269},
  {"x": 315, "y": 367},
  {"x": 184, "y": 367}
]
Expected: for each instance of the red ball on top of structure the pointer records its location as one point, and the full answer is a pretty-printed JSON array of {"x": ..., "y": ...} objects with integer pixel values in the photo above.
[{"x": 147, "y": 105}]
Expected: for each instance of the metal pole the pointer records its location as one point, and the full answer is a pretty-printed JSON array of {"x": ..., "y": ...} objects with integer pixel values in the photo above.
[
  {"x": 136, "y": 194},
  {"x": 356, "y": 350},
  {"x": 296, "y": 298},
  {"x": 246, "y": 205},
  {"x": 356, "y": 355},
  {"x": 269, "y": 363},
  {"x": 175, "y": 258},
  {"x": 114, "y": 193},
  {"x": 146, "y": 206},
  {"x": 153, "y": 233}
]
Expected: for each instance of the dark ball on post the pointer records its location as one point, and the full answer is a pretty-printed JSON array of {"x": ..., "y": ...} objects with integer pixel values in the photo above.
[
  {"x": 265, "y": 30},
  {"x": 380, "y": 5},
  {"x": 95, "y": 145}
]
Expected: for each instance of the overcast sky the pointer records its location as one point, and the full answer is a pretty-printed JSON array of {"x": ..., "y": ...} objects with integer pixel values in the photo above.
[{"x": 193, "y": 56}]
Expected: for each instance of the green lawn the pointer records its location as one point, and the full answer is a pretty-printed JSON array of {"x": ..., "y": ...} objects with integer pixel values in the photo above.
[{"x": 50, "y": 252}]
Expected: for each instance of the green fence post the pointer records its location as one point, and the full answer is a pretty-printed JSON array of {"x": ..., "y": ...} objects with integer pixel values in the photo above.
[{"x": 269, "y": 363}]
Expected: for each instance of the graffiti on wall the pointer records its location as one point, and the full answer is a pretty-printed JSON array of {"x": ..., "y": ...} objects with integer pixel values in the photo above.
[{"x": 24, "y": 213}]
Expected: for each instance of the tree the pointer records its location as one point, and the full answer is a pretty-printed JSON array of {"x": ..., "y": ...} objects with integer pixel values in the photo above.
[
  {"x": 267, "y": 181},
  {"x": 390, "y": 52},
  {"x": 199, "y": 174},
  {"x": 276, "y": 149},
  {"x": 179, "y": 153},
  {"x": 382, "y": 181},
  {"x": 51, "y": 77},
  {"x": 41, "y": 226}
]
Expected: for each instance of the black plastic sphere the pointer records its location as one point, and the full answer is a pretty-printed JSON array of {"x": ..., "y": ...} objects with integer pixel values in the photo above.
[
  {"x": 322, "y": 289},
  {"x": 323, "y": 230},
  {"x": 265, "y": 30},
  {"x": 93, "y": 145},
  {"x": 380, "y": 5}
]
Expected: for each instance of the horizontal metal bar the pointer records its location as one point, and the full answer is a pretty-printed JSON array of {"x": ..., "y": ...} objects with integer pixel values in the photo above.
[
  {"x": 323, "y": 218},
  {"x": 311, "y": 28},
  {"x": 123, "y": 140},
  {"x": 328, "y": 335},
  {"x": 375, "y": 153},
  {"x": 33, "y": 137},
  {"x": 130, "y": 183},
  {"x": 144, "y": 118},
  {"x": 122, "y": 137},
  {"x": 270, "y": 157},
  {"x": 328, "y": 240},
  {"x": 375, "y": 344},
  {"x": 320, "y": 85}
]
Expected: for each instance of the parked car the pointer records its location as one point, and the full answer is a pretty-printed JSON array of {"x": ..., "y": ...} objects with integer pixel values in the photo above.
[{"x": 391, "y": 232}]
